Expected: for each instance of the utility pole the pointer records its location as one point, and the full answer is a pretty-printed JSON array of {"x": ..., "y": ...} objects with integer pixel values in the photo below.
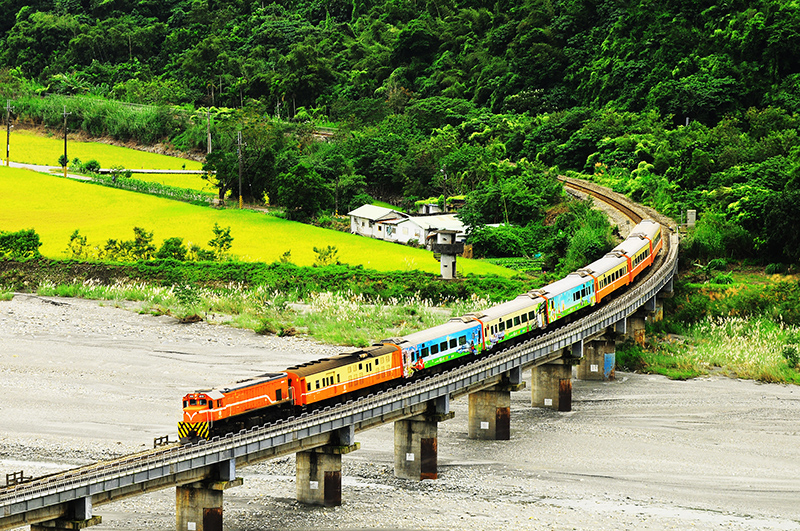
[
  {"x": 239, "y": 155},
  {"x": 8, "y": 131},
  {"x": 208, "y": 128},
  {"x": 66, "y": 160}
]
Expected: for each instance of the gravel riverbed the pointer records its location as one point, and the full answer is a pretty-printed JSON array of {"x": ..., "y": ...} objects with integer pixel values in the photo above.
[{"x": 88, "y": 381}]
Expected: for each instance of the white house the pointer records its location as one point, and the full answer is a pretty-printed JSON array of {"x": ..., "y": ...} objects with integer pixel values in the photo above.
[
  {"x": 421, "y": 227},
  {"x": 369, "y": 220},
  {"x": 393, "y": 226}
]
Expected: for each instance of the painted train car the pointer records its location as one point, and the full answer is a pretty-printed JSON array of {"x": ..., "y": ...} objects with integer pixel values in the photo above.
[{"x": 359, "y": 372}]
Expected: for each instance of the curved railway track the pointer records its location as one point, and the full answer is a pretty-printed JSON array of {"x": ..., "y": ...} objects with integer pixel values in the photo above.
[{"x": 603, "y": 194}]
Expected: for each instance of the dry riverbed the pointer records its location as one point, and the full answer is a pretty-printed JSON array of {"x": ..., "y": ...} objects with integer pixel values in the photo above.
[{"x": 87, "y": 381}]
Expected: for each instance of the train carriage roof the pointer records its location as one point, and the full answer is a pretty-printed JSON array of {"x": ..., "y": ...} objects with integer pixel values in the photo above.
[
  {"x": 334, "y": 362},
  {"x": 450, "y": 328},
  {"x": 605, "y": 264},
  {"x": 571, "y": 281},
  {"x": 522, "y": 302},
  {"x": 247, "y": 382}
]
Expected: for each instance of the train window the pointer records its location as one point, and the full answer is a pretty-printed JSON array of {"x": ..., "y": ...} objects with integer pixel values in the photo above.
[
  {"x": 309, "y": 386},
  {"x": 317, "y": 384},
  {"x": 434, "y": 349},
  {"x": 278, "y": 394},
  {"x": 517, "y": 321},
  {"x": 462, "y": 340},
  {"x": 219, "y": 403},
  {"x": 193, "y": 402},
  {"x": 442, "y": 346},
  {"x": 502, "y": 326},
  {"x": 453, "y": 343},
  {"x": 360, "y": 366},
  {"x": 531, "y": 316},
  {"x": 377, "y": 361},
  {"x": 508, "y": 324},
  {"x": 185, "y": 403},
  {"x": 425, "y": 352},
  {"x": 338, "y": 378}
]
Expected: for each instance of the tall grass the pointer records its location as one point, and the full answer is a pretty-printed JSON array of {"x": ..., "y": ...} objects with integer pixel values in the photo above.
[
  {"x": 748, "y": 348},
  {"x": 336, "y": 318},
  {"x": 100, "y": 117}
]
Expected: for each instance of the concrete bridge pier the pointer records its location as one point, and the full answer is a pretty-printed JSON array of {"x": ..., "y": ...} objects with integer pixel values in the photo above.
[
  {"x": 319, "y": 470},
  {"x": 599, "y": 360},
  {"x": 552, "y": 384},
  {"x": 198, "y": 506},
  {"x": 490, "y": 409},
  {"x": 416, "y": 442},
  {"x": 79, "y": 516}
]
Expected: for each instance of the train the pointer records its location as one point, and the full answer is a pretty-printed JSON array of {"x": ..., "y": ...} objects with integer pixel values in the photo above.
[{"x": 267, "y": 397}]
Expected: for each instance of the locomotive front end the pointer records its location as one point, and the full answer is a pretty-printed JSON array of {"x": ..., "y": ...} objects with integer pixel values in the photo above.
[{"x": 196, "y": 423}]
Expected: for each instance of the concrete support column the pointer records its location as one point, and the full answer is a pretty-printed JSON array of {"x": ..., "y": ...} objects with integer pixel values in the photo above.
[
  {"x": 198, "y": 506},
  {"x": 490, "y": 415},
  {"x": 490, "y": 409},
  {"x": 416, "y": 448},
  {"x": 552, "y": 386},
  {"x": 635, "y": 328},
  {"x": 598, "y": 360},
  {"x": 319, "y": 474},
  {"x": 416, "y": 441}
]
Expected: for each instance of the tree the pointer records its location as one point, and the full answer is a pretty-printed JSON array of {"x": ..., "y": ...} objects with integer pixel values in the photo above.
[
  {"x": 303, "y": 192},
  {"x": 222, "y": 169},
  {"x": 221, "y": 242}
]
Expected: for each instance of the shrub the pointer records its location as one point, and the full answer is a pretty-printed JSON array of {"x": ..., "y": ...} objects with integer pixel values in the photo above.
[
  {"x": 775, "y": 269},
  {"x": 90, "y": 166},
  {"x": 791, "y": 355},
  {"x": 20, "y": 244}
]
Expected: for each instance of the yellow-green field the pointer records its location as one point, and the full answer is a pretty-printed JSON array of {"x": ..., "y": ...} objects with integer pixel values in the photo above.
[
  {"x": 33, "y": 148},
  {"x": 55, "y": 207}
]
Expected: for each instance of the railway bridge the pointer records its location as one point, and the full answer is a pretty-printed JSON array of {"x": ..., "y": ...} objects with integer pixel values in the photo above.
[{"x": 202, "y": 472}]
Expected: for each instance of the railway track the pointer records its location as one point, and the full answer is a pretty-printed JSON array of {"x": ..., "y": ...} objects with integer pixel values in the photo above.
[{"x": 606, "y": 196}]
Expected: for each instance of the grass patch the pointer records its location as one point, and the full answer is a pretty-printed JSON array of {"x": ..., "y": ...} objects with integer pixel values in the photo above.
[{"x": 55, "y": 207}]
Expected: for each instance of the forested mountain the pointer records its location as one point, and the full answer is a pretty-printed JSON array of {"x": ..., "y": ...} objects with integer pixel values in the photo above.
[
  {"x": 695, "y": 59},
  {"x": 683, "y": 104}
]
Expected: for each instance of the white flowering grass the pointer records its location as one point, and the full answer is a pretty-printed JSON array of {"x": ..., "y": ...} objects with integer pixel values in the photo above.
[
  {"x": 745, "y": 348},
  {"x": 337, "y": 318}
]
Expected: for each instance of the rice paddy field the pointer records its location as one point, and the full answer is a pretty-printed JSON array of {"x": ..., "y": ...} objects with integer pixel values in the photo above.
[
  {"x": 55, "y": 207},
  {"x": 30, "y": 147}
]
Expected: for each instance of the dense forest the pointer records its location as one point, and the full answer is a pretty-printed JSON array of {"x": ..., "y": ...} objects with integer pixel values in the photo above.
[{"x": 678, "y": 104}]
